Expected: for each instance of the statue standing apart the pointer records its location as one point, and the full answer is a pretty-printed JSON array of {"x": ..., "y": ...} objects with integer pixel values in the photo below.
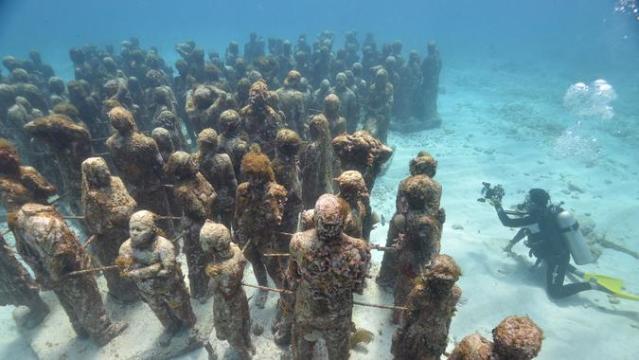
[
  {"x": 431, "y": 67},
  {"x": 149, "y": 260},
  {"x": 316, "y": 162},
  {"x": 48, "y": 245}
]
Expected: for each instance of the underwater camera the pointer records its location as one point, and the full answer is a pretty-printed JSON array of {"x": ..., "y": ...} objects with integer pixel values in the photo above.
[{"x": 489, "y": 192}]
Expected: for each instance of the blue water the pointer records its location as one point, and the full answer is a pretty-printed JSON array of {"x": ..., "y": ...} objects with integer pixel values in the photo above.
[{"x": 507, "y": 67}]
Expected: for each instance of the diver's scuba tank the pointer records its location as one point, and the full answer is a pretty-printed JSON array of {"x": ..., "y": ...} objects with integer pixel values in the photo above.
[{"x": 569, "y": 228}]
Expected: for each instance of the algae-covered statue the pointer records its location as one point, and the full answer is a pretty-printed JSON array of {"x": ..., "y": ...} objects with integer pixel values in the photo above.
[
  {"x": 422, "y": 165},
  {"x": 317, "y": 161},
  {"x": 18, "y": 288},
  {"x": 380, "y": 103},
  {"x": 232, "y": 139},
  {"x": 150, "y": 261},
  {"x": 217, "y": 168},
  {"x": 259, "y": 210},
  {"x": 261, "y": 121},
  {"x": 107, "y": 208},
  {"x": 431, "y": 67},
  {"x": 515, "y": 338},
  {"x": 363, "y": 152},
  {"x": 326, "y": 268},
  {"x": 349, "y": 108},
  {"x": 287, "y": 174},
  {"x": 419, "y": 237},
  {"x": 352, "y": 189},
  {"x": 423, "y": 333},
  {"x": 70, "y": 144},
  {"x": 19, "y": 184},
  {"x": 292, "y": 101},
  {"x": 231, "y": 313},
  {"x": 138, "y": 161},
  {"x": 332, "y": 112},
  {"x": 50, "y": 248},
  {"x": 196, "y": 197}
]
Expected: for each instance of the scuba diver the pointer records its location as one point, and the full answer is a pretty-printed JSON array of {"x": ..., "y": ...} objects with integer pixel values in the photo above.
[{"x": 553, "y": 236}]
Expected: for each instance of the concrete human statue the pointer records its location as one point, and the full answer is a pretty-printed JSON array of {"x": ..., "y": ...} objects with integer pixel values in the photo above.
[
  {"x": 515, "y": 338},
  {"x": 349, "y": 108},
  {"x": 197, "y": 199},
  {"x": 259, "y": 210},
  {"x": 431, "y": 68},
  {"x": 261, "y": 121},
  {"x": 422, "y": 164},
  {"x": 217, "y": 168},
  {"x": 18, "y": 288},
  {"x": 69, "y": 143},
  {"x": 292, "y": 101},
  {"x": 150, "y": 261},
  {"x": 423, "y": 333},
  {"x": 53, "y": 252},
  {"x": 352, "y": 189},
  {"x": 326, "y": 268},
  {"x": 317, "y": 161},
  {"x": 231, "y": 140},
  {"x": 107, "y": 207},
  {"x": 332, "y": 112},
  {"x": 139, "y": 163},
  {"x": 231, "y": 313},
  {"x": 380, "y": 102}
]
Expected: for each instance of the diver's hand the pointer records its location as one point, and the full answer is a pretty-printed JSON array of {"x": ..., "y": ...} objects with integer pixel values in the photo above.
[
  {"x": 495, "y": 202},
  {"x": 509, "y": 248}
]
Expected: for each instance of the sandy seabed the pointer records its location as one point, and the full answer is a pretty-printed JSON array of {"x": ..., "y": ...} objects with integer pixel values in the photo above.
[{"x": 501, "y": 125}]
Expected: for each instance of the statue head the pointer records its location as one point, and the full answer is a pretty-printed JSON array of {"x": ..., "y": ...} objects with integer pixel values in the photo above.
[
  {"x": 122, "y": 120},
  {"x": 329, "y": 216},
  {"x": 142, "y": 228},
  {"x": 95, "y": 172},
  {"x": 215, "y": 239}
]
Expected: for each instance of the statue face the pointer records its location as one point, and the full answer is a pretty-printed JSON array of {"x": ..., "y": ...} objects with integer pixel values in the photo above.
[
  {"x": 141, "y": 228},
  {"x": 328, "y": 230}
]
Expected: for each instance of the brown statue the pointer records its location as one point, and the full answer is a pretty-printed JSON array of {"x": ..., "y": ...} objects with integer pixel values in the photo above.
[
  {"x": 19, "y": 184},
  {"x": 232, "y": 139},
  {"x": 316, "y": 162},
  {"x": 419, "y": 237},
  {"x": 69, "y": 144},
  {"x": 325, "y": 268},
  {"x": 332, "y": 108},
  {"x": 287, "y": 174},
  {"x": 423, "y": 333},
  {"x": 423, "y": 164},
  {"x": 107, "y": 209},
  {"x": 217, "y": 168},
  {"x": 352, "y": 189},
  {"x": 204, "y": 104},
  {"x": 380, "y": 103},
  {"x": 515, "y": 338},
  {"x": 150, "y": 261},
  {"x": 139, "y": 163},
  {"x": 196, "y": 197},
  {"x": 261, "y": 121},
  {"x": 51, "y": 249},
  {"x": 362, "y": 152},
  {"x": 349, "y": 107},
  {"x": 18, "y": 289},
  {"x": 231, "y": 313},
  {"x": 259, "y": 208},
  {"x": 292, "y": 101}
]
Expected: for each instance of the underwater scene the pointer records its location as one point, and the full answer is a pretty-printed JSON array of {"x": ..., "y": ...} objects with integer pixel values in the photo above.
[{"x": 319, "y": 180}]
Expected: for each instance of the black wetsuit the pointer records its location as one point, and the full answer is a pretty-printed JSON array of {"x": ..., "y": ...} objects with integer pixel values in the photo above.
[{"x": 547, "y": 244}]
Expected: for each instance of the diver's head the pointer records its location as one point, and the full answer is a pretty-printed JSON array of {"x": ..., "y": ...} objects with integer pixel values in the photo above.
[{"x": 537, "y": 199}]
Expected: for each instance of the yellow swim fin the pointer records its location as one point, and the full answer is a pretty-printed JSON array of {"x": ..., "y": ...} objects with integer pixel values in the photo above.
[{"x": 614, "y": 285}]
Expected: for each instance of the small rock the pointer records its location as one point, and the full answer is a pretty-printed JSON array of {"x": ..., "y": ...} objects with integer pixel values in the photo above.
[
  {"x": 457, "y": 227},
  {"x": 613, "y": 299}
]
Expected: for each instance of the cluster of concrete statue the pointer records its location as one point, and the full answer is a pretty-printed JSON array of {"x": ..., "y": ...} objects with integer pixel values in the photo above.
[{"x": 214, "y": 165}]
